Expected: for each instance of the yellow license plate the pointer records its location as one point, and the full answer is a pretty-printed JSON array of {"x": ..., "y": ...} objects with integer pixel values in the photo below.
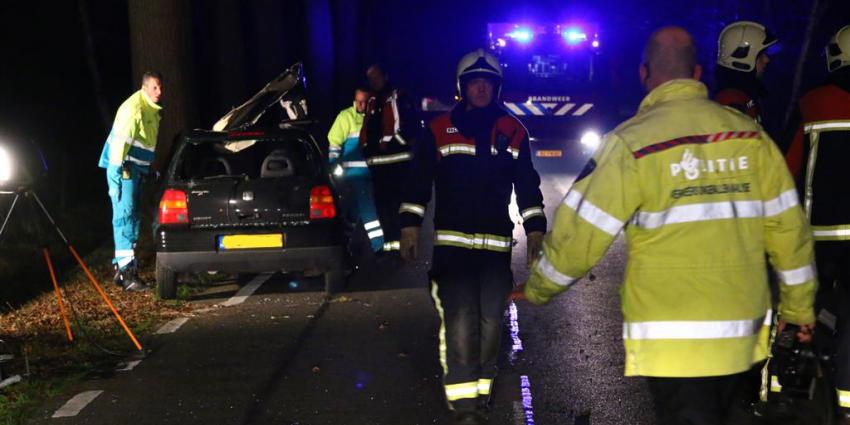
[
  {"x": 250, "y": 241},
  {"x": 554, "y": 153}
]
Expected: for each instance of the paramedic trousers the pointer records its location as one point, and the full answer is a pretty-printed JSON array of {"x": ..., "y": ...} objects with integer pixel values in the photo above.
[{"x": 124, "y": 194}]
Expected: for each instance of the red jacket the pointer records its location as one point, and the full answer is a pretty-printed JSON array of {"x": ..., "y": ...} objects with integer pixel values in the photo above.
[{"x": 474, "y": 159}]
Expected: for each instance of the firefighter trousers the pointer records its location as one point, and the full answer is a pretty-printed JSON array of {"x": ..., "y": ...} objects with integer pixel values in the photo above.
[
  {"x": 832, "y": 304},
  {"x": 471, "y": 304},
  {"x": 389, "y": 183}
]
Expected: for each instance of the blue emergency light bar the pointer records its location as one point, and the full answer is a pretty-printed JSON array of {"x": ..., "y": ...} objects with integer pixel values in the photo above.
[
  {"x": 574, "y": 35},
  {"x": 503, "y": 35},
  {"x": 522, "y": 35}
]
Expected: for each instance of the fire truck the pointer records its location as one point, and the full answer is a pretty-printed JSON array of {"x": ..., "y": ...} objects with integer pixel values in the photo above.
[{"x": 555, "y": 82}]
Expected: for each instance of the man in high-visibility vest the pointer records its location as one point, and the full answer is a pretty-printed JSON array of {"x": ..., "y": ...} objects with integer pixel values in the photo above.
[
  {"x": 817, "y": 157},
  {"x": 346, "y": 159},
  {"x": 127, "y": 156},
  {"x": 703, "y": 194}
]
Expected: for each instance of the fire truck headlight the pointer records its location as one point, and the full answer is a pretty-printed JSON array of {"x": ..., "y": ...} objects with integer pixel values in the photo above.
[
  {"x": 5, "y": 165},
  {"x": 590, "y": 139}
]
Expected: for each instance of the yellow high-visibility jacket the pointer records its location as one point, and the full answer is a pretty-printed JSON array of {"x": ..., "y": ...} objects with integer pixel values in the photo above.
[
  {"x": 703, "y": 194},
  {"x": 133, "y": 135}
]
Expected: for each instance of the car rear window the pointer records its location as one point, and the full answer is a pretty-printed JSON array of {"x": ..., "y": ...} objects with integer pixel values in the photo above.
[{"x": 252, "y": 159}]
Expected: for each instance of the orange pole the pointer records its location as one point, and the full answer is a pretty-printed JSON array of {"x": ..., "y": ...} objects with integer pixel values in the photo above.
[
  {"x": 58, "y": 295},
  {"x": 105, "y": 298}
]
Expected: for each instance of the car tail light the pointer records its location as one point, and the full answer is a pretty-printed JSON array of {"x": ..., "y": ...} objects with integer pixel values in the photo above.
[
  {"x": 173, "y": 208},
  {"x": 322, "y": 203}
]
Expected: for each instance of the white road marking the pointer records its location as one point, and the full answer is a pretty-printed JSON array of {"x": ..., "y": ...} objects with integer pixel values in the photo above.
[
  {"x": 172, "y": 326},
  {"x": 129, "y": 366},
  {"x": 247, "y": 290},
  {"x": 9, "y": 381},
  {"x": 76, "y": 404}
]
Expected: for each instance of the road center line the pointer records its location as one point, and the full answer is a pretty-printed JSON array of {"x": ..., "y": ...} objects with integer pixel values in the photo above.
[
  {"x": 247, "y": 290},
  {"x": 76, "y": 404},
  {"x": 172, "y": 326},
  {"x": 129, "y": 366}
]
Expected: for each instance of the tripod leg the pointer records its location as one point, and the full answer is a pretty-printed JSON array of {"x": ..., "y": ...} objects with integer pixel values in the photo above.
[
  {"x": 105, "y": 298},
  {"x": 88, "y": 273},
  {"x": 9, "y": 214},
  {"x": 49, "y": 217},
  {"x": 58, "y": 295}
]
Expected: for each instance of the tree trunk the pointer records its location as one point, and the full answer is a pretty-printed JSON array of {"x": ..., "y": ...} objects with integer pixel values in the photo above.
[
  {"x": 160, "y": 40},
  {"x": 91, "y": 61}
]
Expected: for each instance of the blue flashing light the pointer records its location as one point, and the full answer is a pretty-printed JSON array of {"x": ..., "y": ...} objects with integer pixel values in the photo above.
[
  {"x": 574, "y": 36},
  {"x": 501, "y": 42},
  {"x": 595, "y": 43},
  {"x": 522, "y": 35}
]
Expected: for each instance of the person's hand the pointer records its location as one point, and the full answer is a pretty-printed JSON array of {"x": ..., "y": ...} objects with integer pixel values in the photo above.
[
  {"x": 804, "y": 335},
  {"x": 409, "y": 242},
  {"x": 534, "y": 241},
  {"x": 518, "y": 294}
]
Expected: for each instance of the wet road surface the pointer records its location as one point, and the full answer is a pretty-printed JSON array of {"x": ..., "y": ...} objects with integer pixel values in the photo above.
[{"x": 286, "y": 355}]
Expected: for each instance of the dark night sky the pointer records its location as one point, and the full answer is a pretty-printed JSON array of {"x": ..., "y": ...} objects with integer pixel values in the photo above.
[{"x": 46, "y": 91}]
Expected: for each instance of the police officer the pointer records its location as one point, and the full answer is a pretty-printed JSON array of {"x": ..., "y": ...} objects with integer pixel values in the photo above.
[
  {"x": 390, "y": 127},
  {"x": 127, "y": 156},
  {"x": 818, "y": 157},
  {"x": 742, "y": 57},
  {"x": 475, "y": 156},
  {"x": 344, "y": 152},
  {"x": 706, "y": 195}
]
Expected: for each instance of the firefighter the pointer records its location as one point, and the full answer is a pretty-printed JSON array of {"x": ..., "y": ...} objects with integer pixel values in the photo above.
[
  {"x": 390, "y": 127},
  {"x": 742, "y": 57},
  {"x": 345, "y": 153},
  {"x": 474, "y": 156},
  {"x": 816, "y": 157},
  {"x": 127, "y": 156},
  {"x": 705, "y": 194}
]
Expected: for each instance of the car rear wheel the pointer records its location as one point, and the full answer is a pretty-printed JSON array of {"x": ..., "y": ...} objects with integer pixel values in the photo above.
[
  {"x": 334, "y": 281},
  {"x": 166, "y": 282}
]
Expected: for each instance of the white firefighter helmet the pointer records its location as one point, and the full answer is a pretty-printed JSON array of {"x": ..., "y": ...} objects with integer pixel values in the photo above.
[
  {"x": 740, "y": 44},
  {"x": 478, "y": 63},
  {"x": 838, "y": 50}
]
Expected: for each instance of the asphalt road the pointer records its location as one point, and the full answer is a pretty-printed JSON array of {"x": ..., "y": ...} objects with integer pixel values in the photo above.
[{"x": 284, "y": 355}]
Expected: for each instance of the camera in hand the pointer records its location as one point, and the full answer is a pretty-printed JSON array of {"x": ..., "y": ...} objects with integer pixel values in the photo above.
[{"x": 794, "y": 363}]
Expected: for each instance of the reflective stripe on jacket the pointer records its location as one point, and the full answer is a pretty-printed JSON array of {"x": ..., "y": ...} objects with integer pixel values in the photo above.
[
  {"x": 133, "y": 135},
  {"x": 473, "y": 175},
  {"x": 703, "y": 194}
]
